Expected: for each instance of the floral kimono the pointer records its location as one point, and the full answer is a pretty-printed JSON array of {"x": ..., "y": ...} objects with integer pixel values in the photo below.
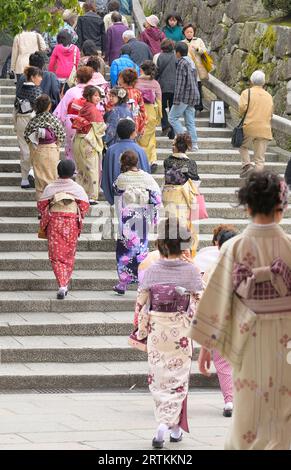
[
  {"x": 137, "y": 203},
  {"x": 245, "y": 313},
  {"x": 88, "y": 147},
  {"x": 63, "y": 206},
  {"x": 165, "y": 306},
  {"x": 137, "y": 107}
]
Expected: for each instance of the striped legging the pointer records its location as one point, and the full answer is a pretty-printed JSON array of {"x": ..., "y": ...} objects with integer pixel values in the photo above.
[{"x": 224, "y": 373}]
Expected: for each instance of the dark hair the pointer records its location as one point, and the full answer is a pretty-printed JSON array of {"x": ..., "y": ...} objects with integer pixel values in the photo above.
[
  {"x": 129, "y": 76},
  {"x": 113, "y": 5},
  {"x": 170, "y": 240},
  {"x": 89, "y": 92},
  {"x": 167, "y": 45},
  {"x": 190, "y": 25},
  {"x": 149, "y": 68},
  {"x": 128, "y": 160},
  {"x": 115, "y": 91},
  {"x": 183, "y": 142},
  {"x": 182, "y": 48},
  {"x": 64, "y": 38},
  {"x": 90, "y": 5},
  {"x": 66, "y": 168},
  {"x": 37, "y": 59},
  {"x": 220, "y": 228},
  {"x": 89, "y": 48},
  {"x": 84, "y": 74},
  {"x": 224, "y": 236},
  {"x": 125, "y": 128},
  {"x": 30, "y": 72},
  {"x": 126, "y": 49},
  {"x": 42, "y": 103},
  {"x": 95, "y": 63},
  {"x": 116, "y": 17},
  {"x": 174, "y": 15},
  {"x": 262, "y": 192}
]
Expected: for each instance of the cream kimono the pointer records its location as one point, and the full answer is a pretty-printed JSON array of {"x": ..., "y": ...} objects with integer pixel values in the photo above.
[{"x": 251, "y": 327}]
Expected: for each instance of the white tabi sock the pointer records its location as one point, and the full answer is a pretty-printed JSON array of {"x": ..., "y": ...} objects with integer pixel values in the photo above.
[
  {"x": 161, "y": 431},
  {"x": 176, "y": 432}
]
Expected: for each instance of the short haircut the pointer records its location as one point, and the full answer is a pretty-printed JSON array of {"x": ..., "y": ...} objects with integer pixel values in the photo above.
[
  {"x": 66, "y": 168},
  {"x": 129, "y": 76},
  {"x": 258, "y": 78},
  {"x": 113, "y": 5},
  {"x": 95, "y": 63},
  {"x": 220, "y": 228},
  {"x": 129, "y": 34},
  {"x": 116, "y": 17},
  {"x": 125, "y": 49},
  {"x": 190, "y": 25},
  {"x": 37, "y": 59},
  {"x": 125, "y": 128},
  {"x": 149, "y": 68},
  {"x": 174, "y": 15},
  {"x": 90, "y": 5},
  {"x": 84, "y": 74},
  {"x": 42, "y": 103},
  {"x": 182, "y": 48},
  {"x": 128, "y": 160},
  {"x": 89, "y": 48},
  {"x": 224, "y": 236},
  {"x": 167, "y": 45},
  {"x": 64, "y": 38}
]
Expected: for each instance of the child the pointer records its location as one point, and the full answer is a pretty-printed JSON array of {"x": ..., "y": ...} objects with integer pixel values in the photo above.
[
  {"x": 118, "y": 99},
  {"x": 88, "y": 144},
  {"x": 44, "y": 134}
]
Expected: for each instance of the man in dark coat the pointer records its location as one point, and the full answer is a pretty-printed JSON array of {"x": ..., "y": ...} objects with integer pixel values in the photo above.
[
  {"x": 138, "y": 50},
  {"x": 91, "y": 26}
]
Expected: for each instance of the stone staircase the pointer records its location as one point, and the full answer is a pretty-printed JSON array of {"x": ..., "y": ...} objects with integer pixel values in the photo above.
[{"x": 81, "y": 343}]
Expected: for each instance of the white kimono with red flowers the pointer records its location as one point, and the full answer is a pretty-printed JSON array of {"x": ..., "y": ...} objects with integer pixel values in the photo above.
[{"x": 245, "y": 313}]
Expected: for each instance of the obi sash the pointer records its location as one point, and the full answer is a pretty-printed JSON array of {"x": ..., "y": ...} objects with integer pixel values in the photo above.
[{"x": 168, "y": 298}]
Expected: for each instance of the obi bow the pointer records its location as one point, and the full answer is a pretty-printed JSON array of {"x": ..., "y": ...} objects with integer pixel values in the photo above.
[{"x": 246, "y": 278}]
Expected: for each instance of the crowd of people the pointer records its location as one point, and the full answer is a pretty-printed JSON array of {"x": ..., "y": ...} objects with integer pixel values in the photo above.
[{"x": 227, "y": 296}]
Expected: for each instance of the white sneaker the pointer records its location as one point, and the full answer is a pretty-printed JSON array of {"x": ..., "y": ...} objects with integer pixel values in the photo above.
[
  {"x": 228, "y": 409},
  {"x": 62, "y": 292},
  {"x": 194, "y": 148}
]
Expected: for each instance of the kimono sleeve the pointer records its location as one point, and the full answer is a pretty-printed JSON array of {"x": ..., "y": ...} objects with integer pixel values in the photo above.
[
  {"x": 141, "y": 316},
  {"x": 43, "y": 208},
  {"x": 83, "y": 207},
  {"x": 155, "y": 201}
]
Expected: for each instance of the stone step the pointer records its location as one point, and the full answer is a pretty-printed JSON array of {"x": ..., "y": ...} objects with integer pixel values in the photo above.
[
  {"x": 70, "y": 349},
  {"x": 7, "y": 82},
  {"x": 38, "y": 261},
  {"x": 76, "y": 301},
  {"x": 7, "y": 90},
  {"x": 78, "y": 376},
  {"x": 6, "y": 98},
  {"x": 85, "y": 280},
  {"x": 66, "y": 324},
  {"x": 6, "y": 118}
]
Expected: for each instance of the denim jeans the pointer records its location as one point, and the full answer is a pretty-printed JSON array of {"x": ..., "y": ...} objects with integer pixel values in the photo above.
[{"x": 178, "y": 111}]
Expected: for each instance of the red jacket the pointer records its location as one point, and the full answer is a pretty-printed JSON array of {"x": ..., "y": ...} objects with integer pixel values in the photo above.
[
  {"x": 62, "y": 60},
  {"x": 153, "y": 38}
]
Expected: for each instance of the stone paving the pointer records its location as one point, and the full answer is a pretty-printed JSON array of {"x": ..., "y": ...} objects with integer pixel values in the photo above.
[{"x": 103, "y": 421}]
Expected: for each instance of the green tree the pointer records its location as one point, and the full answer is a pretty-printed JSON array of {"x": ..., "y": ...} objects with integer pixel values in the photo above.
[
  {"x": 284, "y": 5},
  {"x": 43, "y": 15}
]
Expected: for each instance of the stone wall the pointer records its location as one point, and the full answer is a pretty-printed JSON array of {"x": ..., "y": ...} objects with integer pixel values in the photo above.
[{"x": 240, "y": 42}]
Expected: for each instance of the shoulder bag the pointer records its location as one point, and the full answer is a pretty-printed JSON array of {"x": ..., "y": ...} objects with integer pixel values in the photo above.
[
  {"x": 72, "y": 78},
  {"x": 238, "y": 132}
]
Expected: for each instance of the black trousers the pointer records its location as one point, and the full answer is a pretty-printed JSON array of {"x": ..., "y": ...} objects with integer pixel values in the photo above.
[
  {"x": 199, "y": 107},
  {"x": 167, "y": 102}
]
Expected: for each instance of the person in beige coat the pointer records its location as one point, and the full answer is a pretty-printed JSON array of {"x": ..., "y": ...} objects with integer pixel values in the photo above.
[
  {"x": 196, "y": 48},
  {"x": 25, "y": 44},
  {"x": 257, "y": 125}
]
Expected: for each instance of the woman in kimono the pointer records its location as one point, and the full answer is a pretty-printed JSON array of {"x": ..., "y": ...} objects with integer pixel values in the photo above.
[
  {"x": 138, "y": 198},
  {"x": 44, "y": 134},
  {"x": 63, "y": 206},
  {"x": 128, "y": 79},
  {"x": 118, "y": 100},
  {"x": 152, "y": 96},
  {"x": 64, "y": 113},
  {"x": 181, "y": 186},
  {"x": 165, "y": 307},
  {"x": 250, "y": 325},
  {"x": 88, "y": 143}
]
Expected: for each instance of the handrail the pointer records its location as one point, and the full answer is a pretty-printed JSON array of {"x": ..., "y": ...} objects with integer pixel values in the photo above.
[
  {"x": 138, "y": 15},
  {"x": 230, "y": 97}
]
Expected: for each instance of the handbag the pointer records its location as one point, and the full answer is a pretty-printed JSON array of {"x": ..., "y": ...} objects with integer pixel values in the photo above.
[
  {"x": 207, "y": 61},
  {"x": 202, "y": 207},
  {"x": 238, "y": 132},
  {"x": 72, "y": 78},
  {"x": 140, "y": 344}
]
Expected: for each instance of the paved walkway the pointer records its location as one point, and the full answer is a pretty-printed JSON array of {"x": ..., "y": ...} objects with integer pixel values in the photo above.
[{"x": 109, "y": 420}]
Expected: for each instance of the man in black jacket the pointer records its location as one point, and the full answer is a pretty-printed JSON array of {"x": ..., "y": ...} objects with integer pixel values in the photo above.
[
  {"x": 139, "y": 51},
  {"x": 91, "y": 26},
  {"x": 50, "y": 84}
]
